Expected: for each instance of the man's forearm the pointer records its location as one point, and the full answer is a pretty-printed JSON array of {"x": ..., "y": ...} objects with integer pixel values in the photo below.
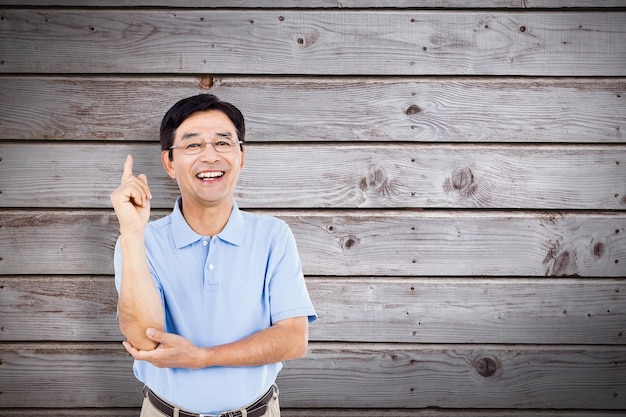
[
  {"x": 285, "y": 340},
  {"x": 139, "y": 305}
]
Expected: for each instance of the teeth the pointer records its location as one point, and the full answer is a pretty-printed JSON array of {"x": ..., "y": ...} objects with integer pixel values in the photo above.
[{"x": 212, "y": 174}]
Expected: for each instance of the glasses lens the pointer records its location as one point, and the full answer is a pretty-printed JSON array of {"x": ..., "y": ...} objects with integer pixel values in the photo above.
[
  {"x": 223, "y": 146},
  {"x": 194, "y": 148}
]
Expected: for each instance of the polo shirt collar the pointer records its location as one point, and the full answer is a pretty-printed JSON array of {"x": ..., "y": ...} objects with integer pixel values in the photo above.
[
  {"x": 235, "y": 229},
  {"x": 184, "y": 235}
]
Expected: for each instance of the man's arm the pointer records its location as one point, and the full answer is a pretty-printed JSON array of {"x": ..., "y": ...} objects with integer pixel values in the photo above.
[
  {"x": 284, "y": 340},
  {"x": 139, "y": 304}
]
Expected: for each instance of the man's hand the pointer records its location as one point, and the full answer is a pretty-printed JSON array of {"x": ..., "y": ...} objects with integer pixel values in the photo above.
[
  {"x": 131, "y": 200},
  {"x": 173, "y": 351}
]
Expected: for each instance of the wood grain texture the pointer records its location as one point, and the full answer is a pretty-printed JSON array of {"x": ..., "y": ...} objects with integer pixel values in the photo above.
[
  {"x": 58, "y": 308},
  {"x": 453, "y": 310},
  {"x": 458, "y": 376},
  {"x": 82, "y": 175},
  {"x": 313, "y": 42},
  {"x": 453, "y": 172},
  {"x": 351, "y": 243},
  {"x": 331, "y": 4},
  {"x": 346, "y": 376},
  {"x": 371, "y": 109},
  {"x": 399, "y": 310},
  {"x": 67, "y": 375}
]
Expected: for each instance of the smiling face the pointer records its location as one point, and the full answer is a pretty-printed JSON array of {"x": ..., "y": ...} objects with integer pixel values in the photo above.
[{"x": 208, "y": 179}]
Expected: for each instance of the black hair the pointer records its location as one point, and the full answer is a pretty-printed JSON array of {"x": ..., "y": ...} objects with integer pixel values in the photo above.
[{"x": 184, "y": 108}]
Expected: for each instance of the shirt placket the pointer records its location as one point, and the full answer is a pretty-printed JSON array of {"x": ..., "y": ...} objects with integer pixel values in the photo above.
[{"x": 210, "y": 278}]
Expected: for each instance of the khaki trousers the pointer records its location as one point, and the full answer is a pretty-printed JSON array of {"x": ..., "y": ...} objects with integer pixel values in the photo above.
[{"x": 273, "y": 408}]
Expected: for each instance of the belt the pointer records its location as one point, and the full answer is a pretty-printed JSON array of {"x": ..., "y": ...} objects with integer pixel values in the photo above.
[{"x": 257, "y": 409}]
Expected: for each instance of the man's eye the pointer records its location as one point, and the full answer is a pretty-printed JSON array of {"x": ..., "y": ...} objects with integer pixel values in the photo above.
[
  {"x": 193, "y": 146},
  {"x": 223, "y": 144}
]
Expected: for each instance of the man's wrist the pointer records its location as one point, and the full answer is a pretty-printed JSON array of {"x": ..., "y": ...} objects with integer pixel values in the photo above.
[
  {"x": 131, "y": 234},
  {"x": 205, "y": 357}
]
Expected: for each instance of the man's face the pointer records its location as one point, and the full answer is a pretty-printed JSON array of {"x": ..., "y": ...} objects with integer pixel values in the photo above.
[{"x": 207, "y": 179}]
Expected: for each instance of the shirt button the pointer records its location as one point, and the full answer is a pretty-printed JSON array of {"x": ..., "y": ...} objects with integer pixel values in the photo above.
[
  {"x": 204, "y": 243},
  {"x": 211, "y": 266}
]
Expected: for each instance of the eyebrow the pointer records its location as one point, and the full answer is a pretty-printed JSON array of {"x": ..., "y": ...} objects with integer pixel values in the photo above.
[{"x": 191, "y": 135}]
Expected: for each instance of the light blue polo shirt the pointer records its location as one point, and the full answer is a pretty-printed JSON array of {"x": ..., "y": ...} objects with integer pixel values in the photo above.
[{"x": 220, "y": 290}]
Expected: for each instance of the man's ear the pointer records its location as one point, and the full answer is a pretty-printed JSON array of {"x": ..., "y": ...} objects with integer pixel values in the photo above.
[
  {"x": 168, "y": 163},
  {"x": 242, "y": 155}
]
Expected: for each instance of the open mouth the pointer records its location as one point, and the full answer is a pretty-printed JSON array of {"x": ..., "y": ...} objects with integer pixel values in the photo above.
[{"x": 210, "y": 175}]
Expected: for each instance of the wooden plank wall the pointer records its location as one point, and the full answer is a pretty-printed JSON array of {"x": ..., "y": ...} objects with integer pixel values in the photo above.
[{"x": 454, "y": 173}]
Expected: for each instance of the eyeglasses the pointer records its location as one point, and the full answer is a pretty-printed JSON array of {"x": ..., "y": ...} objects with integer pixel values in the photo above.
[{"x": 195, "y": 147}]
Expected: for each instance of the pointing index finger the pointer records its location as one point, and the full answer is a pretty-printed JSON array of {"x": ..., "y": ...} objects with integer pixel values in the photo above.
[{"x": 128, "y": 168}]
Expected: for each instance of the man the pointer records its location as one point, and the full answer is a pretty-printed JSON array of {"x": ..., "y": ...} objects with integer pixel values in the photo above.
[{"x": 212, "y": 299}]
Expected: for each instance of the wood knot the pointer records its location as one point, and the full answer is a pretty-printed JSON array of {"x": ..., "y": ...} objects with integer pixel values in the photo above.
[
  {"x": 486, "y": 367},
  {"x": 461, "y": 182},
  {"x": 376, "y": 182},
  {"x": 206, "y": 82},
  {"x": 348, "y": 242},
  {"x": 373, "y": 178},
  {"x": 308, "y": 39},
  {"x": 598, "y": 250},
  {"x": 413, "y": 110},
  {"x": 561, "y": 261}
]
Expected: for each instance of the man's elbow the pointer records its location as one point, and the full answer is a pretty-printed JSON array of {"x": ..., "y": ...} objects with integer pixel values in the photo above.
[
  {"x": 140, "y": 342},
  {"x": 135, "y": 333},
  {"x": 301, "y": 346},
  {"x": 294, "y": 338},
  {"x": 302, "y": 350}
]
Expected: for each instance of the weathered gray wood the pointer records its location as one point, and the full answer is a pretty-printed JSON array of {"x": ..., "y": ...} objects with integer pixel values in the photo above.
[
  {"x": 376, "y": 276},
  {"x": 341, "y": 375},
  {"x": 313, "y": 42},
  {"x": 345, "y": 243},
  {"x": 58, "y": 308},
  {"x": 458, "y": 376},
  {"x": 401, "y": 310},
  {"x": 68, "y": 376},
  {"x": 340, "y": 4},
  {"x": 61, "y": 242},
  {"x": 469, "y": 310},
  {"x": 295, "y": 109},
  {"x": 335, "y": 176}
]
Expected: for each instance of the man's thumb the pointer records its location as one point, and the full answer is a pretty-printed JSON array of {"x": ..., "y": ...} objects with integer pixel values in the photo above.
[{"x": 152, "y": 333}]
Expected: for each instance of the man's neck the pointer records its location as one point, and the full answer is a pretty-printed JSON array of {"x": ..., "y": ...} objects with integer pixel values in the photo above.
[{"x": 206, "y": 220}]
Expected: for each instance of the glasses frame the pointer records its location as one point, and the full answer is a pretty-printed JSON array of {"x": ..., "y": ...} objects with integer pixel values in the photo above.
[{"x": 203, "y": 147}]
